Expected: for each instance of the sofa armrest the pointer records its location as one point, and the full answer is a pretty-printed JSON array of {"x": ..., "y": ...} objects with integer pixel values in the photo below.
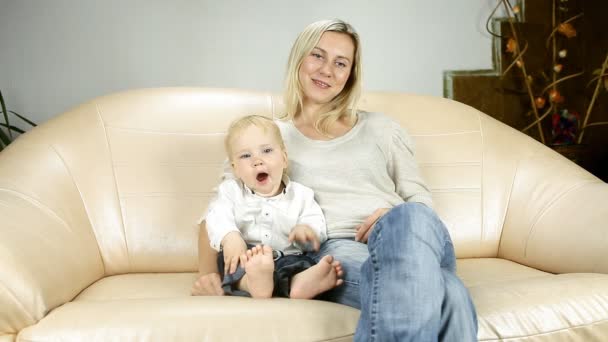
[
  {"x": 48, "y": 252},
  {"x": 557, "y": 217},
  {"x": 43, "y": 261}
]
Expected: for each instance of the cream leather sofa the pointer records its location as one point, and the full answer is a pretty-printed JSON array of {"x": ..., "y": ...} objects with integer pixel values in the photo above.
[{"x": 98, "y": 234}]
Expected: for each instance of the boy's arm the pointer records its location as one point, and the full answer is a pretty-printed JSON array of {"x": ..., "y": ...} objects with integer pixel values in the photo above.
[
  {"x": 219, "y": 219},
  {"x": 312, "y": 215}
]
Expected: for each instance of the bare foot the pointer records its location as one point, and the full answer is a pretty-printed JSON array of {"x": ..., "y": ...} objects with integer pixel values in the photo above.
[
  {"x": 319, "y": 278},
  {"x": 259, "y": 268}
]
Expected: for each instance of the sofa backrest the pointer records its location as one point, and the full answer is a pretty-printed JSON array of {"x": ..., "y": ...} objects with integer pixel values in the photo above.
[{"x": 144, "y": 164}]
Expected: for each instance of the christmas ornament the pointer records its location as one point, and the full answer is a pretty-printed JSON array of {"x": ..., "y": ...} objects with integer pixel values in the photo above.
[
  {"x": 511, "y": 46},
  {"x": 539, "y": 102},
  {"x": 566, "y": 29},
  {"x": 564, "y": 126},
  {"x": 558, "y": 68},
  {"x": 555, "y": 96}
]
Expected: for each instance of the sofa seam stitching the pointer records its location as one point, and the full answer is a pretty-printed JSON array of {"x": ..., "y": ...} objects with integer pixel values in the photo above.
[
  {"x": 507, "y": 208},
  {"x": 335, "y": 338},
  {"x": 481, "y": 194},
  {"x": 38, "y": 205},
  {"x": 122, "y": 218},
  {"x": 546, "y": 332},
  {"x": 14, "y": 296},
  {"x": 547, "y": 207}
]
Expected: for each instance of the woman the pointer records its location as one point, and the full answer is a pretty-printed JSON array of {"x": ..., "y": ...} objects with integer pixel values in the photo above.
[{"x": 398, "y": 260}]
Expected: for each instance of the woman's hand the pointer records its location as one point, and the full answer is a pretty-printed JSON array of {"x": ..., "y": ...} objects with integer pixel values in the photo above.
[
  {"x": 365, "y": 228},
  {"x": 304, "y": 235},
  {"x": 208, "y": 285},
  {"x": 233, "y": 247}
]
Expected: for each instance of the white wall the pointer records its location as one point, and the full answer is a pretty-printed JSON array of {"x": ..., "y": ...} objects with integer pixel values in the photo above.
[{"x": 55, "y": 54}]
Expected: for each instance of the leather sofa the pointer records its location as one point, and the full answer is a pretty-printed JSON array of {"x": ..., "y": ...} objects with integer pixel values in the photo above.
[{"x": 99, "y": 210}]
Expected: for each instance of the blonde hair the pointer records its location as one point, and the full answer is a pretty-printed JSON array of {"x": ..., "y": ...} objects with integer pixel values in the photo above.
[
  {"x": 344, "y": 103},
  {"x": 239, "y": 125}
]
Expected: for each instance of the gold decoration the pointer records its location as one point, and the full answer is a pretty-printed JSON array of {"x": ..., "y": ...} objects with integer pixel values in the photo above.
[
  {"x": 558, "y": 68},
  {"x": 516, "y": 9},
  {"x": 539, "y": 102},
  {"x": 567, "y": 30},
  {"x": 555, "y": 96},
  {"x": 511, "y": 46}
]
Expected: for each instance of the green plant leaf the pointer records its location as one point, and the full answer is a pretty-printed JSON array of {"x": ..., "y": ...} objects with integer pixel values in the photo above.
[
  {"x": 12, "y": 128},
  {"x": 31, "y": 123},
  {"x": 5, "y": 113},
  {"x": 4, "y": 138}
]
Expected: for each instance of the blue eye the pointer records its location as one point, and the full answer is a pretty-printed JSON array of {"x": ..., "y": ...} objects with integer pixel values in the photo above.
[{"x": 244, "y": 156}]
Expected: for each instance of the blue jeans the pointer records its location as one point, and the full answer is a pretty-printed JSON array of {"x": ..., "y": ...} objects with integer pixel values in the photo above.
[{"x": 404, "y": 280}]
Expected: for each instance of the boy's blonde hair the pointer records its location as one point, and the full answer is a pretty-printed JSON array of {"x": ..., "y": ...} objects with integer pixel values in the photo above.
[
  {"x": 344, "y": 103},
  {"x": 239, "y": 125}
]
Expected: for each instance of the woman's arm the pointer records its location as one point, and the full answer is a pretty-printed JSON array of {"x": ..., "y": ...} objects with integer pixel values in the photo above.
[
  {"x": 403, "y": 168},
  {"x": 208, "y": 282},
  {"x": 404, "y": 171}
]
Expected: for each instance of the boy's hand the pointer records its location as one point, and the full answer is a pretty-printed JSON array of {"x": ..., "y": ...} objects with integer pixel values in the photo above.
[
  {"x": 303, "y": 235},
  {"x": 233, "y": 246}
]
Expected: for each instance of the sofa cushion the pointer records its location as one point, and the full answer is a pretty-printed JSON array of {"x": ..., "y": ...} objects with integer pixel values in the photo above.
[
  {"x": 195, "y": 319},
  {"x": 158, "y": 307},
  {"x": 518, "y": 302},
  {"x": 139, "y": 286},
  {"x": 513, "y": 301}
]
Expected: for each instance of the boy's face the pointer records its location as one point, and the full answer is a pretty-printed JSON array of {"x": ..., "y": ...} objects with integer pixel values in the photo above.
[{"x": 258, "y": 160}]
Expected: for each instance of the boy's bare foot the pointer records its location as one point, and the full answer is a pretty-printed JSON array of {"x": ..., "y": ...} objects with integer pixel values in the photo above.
[
  {"x": 259, "y": 268},
  {"x": 319, "y": 278}
]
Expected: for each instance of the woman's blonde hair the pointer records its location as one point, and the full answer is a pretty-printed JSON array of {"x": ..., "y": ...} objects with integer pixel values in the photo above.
[
  {"x": 239, "y": 125},
  {"x": 344, "y": 103}
]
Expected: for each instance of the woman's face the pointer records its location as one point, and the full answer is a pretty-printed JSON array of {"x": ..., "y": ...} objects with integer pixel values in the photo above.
[{"x": 325, "y": 71}]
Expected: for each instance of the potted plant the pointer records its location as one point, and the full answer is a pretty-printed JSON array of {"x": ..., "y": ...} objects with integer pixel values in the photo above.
[
  {"x": 558, "y": 121},
  {"x": 8, "y": 131}
]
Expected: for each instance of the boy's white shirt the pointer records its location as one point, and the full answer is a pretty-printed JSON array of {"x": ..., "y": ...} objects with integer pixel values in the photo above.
[{"x": 263, "y": 220}]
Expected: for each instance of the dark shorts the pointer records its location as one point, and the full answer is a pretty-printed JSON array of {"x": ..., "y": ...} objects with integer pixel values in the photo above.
[{"x": 285, "y": 267}]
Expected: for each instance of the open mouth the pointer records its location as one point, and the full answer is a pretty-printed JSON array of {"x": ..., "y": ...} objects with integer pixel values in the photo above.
[{"x": 261, "y": 177}]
